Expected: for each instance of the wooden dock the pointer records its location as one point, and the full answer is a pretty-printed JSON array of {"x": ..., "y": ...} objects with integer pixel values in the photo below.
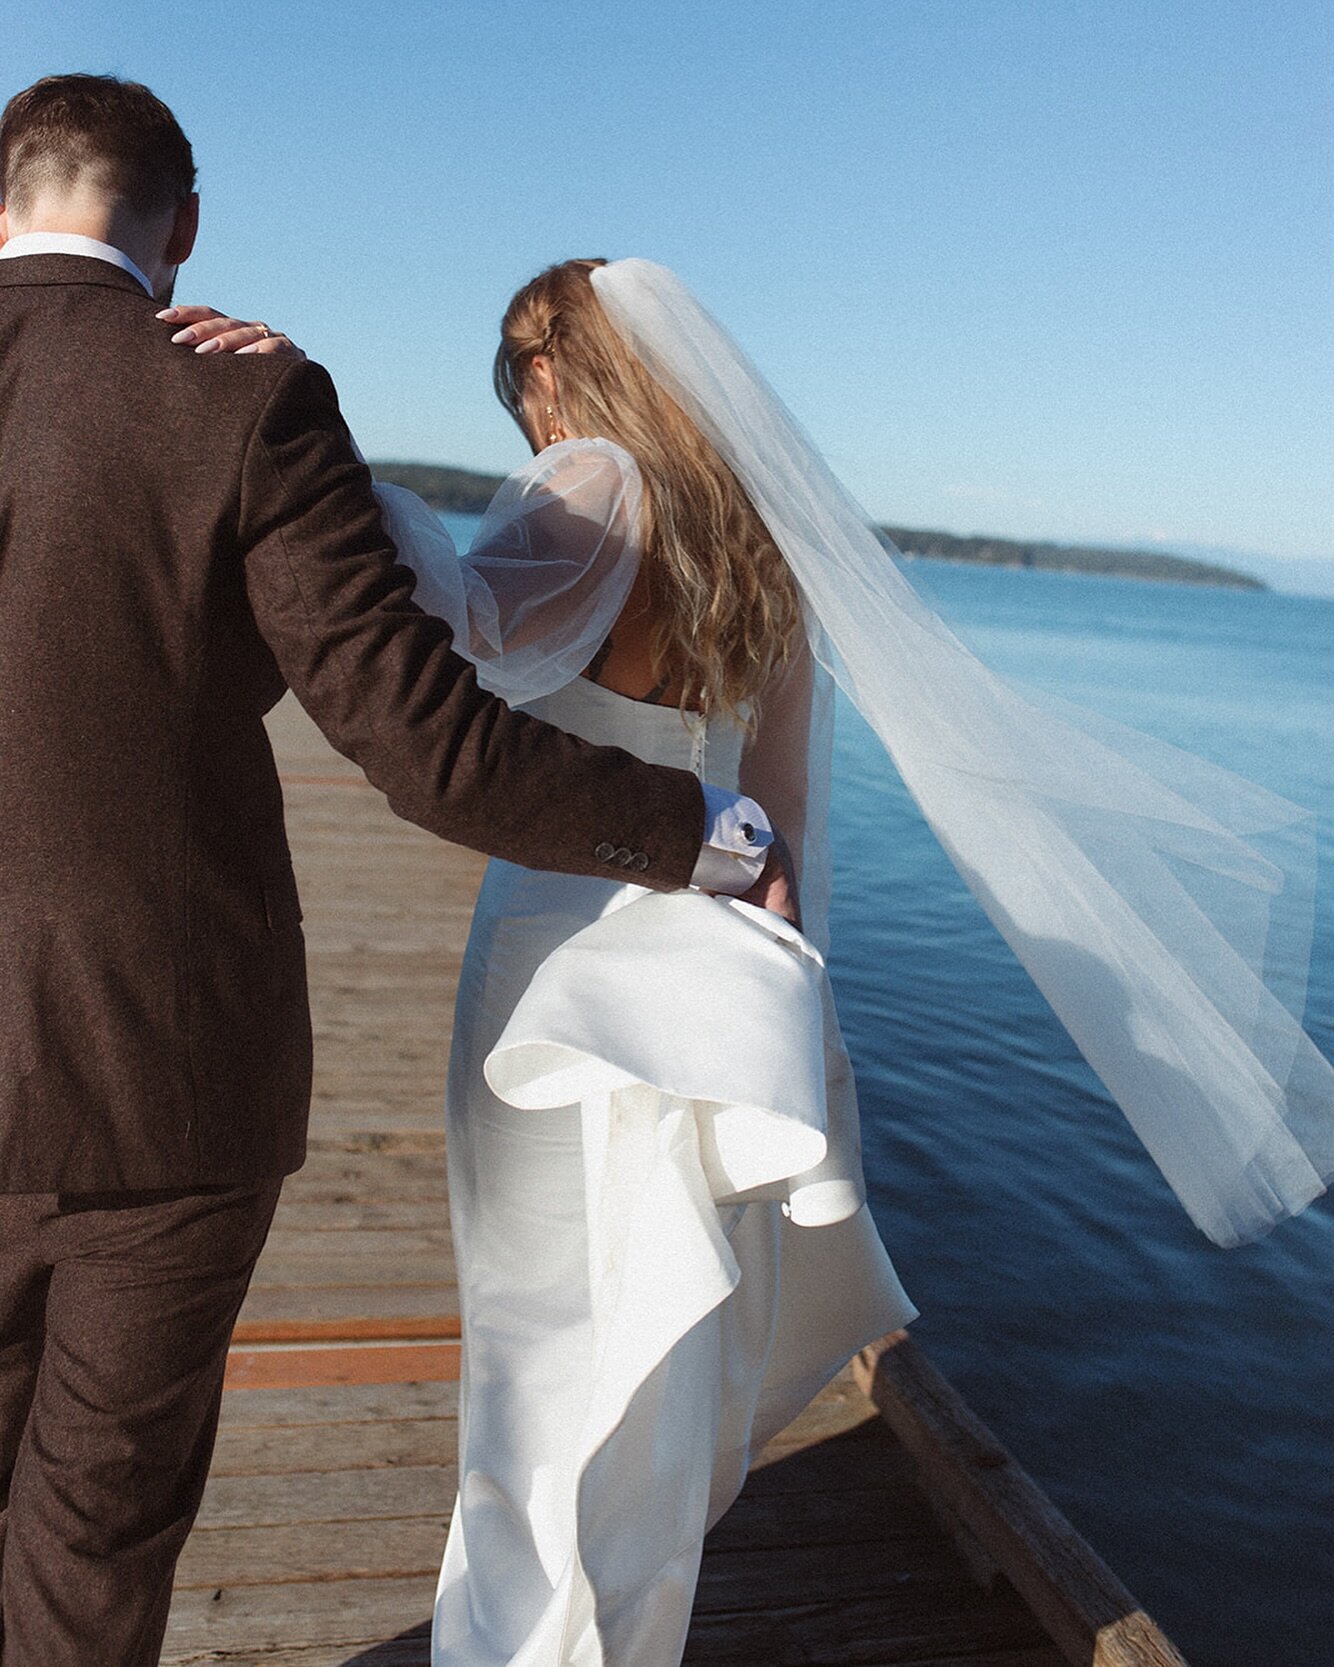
[{"x": 884, "y": 1527}]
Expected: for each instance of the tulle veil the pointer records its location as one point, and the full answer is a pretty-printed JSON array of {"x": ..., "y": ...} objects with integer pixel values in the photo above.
[{"x": 1162, "y": 905}]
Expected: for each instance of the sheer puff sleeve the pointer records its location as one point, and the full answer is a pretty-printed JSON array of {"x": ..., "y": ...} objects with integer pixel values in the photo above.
[{"x": 538, "y": 591}]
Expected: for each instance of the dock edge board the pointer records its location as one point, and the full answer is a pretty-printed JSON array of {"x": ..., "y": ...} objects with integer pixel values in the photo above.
[{"x": 992, "y": 1504}]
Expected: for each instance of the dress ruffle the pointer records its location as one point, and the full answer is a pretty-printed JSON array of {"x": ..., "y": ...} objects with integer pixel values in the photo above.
[
  {"x": 714, "y": 1318},
  {"x": 765, "y": 1078}
]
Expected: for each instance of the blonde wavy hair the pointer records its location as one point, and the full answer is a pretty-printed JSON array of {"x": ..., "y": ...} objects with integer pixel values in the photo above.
[{"x": 724, "y": 603}]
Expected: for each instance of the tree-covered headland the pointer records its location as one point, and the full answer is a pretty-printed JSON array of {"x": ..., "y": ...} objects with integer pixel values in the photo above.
[{"x": 466, "y": 492}]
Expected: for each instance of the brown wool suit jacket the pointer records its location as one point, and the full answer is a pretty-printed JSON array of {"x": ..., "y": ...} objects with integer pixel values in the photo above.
[{"x": 181, "y": 537}]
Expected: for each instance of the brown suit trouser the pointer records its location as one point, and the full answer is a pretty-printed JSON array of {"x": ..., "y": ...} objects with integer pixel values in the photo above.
[{"x": 115, "y": 1314}]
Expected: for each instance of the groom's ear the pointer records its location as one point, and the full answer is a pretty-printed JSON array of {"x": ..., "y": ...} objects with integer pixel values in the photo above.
[
  {"x": 184, "y": 230},
  {"x": 5, "y": 233}
]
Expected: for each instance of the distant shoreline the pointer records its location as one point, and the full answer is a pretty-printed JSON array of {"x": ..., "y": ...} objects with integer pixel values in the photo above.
[{"x": 467, "y": 492}]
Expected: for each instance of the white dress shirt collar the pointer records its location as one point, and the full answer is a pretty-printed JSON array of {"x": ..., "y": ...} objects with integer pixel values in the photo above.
[{"x": 72, "y": 243}]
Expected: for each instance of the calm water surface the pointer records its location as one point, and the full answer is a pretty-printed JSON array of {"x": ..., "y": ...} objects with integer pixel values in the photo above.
[{"x": 1175, "y": 1399}]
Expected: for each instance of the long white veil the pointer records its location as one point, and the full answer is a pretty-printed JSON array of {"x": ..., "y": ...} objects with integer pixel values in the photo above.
[{"x": 1162, "y": 905}]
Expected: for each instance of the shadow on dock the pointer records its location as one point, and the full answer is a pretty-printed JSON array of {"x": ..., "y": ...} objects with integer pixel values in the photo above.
[
  {"x": 408, "y": 1649},
  {"x": 832, "y": 1557},
  {"x": 324, "y": 1522}
]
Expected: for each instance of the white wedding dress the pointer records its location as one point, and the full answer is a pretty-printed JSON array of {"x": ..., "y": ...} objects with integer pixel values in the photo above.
[{"x": 661, "y": 1235}]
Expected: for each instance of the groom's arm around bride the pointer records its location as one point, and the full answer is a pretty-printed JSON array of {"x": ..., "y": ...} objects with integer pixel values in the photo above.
[{"x": 180, "y": 537}]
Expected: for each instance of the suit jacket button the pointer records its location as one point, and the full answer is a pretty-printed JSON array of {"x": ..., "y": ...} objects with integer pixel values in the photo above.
[
  {"x": 639, "y": 862},
  {"x": 605, "y": 852},
  {"x": 622, "y": 857}
]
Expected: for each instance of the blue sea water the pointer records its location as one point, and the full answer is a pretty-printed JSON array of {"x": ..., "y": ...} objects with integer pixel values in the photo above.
[{"x": 1176, "y": 1400}]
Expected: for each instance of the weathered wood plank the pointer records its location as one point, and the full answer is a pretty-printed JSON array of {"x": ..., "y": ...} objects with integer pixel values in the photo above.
[
  {"x": 339, "y": 1404},
  {"x": 355, "y": 1169},
  {"x": 254, "y": 1620},
  {"x": 384, "y": 1329},
  {"x": 412, "y": 1650},
  {"x": 380, "y": 1548},
  {"x": 333, "y": 1138},
  {"x": 743, "y": 1577},
  {"x": 425, "y": 1240},
  {"x": 356, "y": 1215},
  {"x": 351, "y": 1150},
  {"x": 281, "y": 1368},
  {"x": 382, "y": 1096},
  {"x": 878, "y": 1514},
  {"x": 344, "y": 1265},
  {"x": 1088, "y": 1612},
  {"x": 937, "y": 1621},
  {"x": 270, "y": 1303},
  {"x": 332, "y": 1496},
  {"x": 748, "y": 1641},
  {"x": 834, "y": 1464},
  {"x": 290, "y": 1449}
]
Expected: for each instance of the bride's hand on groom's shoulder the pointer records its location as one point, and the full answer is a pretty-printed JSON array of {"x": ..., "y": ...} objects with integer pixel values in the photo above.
[
  {"x": 208, "y": 331},
  {"x": 776, "y": 888}
]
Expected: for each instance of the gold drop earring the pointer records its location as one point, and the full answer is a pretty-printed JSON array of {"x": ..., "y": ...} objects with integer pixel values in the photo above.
[{"x": 553, "y": 431}]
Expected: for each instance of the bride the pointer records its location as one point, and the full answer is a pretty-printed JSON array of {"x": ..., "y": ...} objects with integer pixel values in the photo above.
[
  {"x": 635, "y": 1094},
  {"x": 662, "y": 1239}
]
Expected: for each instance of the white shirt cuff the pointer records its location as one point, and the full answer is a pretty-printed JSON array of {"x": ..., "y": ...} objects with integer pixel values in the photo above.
[{"x": 737, "y": 837}]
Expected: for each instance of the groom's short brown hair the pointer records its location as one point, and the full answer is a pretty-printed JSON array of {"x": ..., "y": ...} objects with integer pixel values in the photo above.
[{"x": 116, "y": 132}]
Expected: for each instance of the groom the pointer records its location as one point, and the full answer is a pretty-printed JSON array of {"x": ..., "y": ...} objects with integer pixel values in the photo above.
[{"x": 181, "y": 537}]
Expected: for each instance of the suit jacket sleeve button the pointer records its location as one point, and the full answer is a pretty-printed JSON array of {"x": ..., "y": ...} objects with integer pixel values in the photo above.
[
  {"x": 622, "y": 857},
  {"x": 605, "y": 852},
  {"x": 639, "y": 862}
]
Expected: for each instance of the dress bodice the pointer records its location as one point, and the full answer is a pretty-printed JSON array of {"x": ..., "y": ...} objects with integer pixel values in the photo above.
[{"x": 709, "y": 748}]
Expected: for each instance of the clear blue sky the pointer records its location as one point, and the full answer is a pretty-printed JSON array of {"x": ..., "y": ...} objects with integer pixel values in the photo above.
[{"x": 1055, "y": 268}]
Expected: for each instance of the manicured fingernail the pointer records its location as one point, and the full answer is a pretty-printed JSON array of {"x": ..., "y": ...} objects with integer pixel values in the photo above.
[
  {"x": 252, "y": 347},
  {"x": 208, "y": 347},
  {"x": 166, "y": 314},
  {"x": 184, "y": 336}
]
